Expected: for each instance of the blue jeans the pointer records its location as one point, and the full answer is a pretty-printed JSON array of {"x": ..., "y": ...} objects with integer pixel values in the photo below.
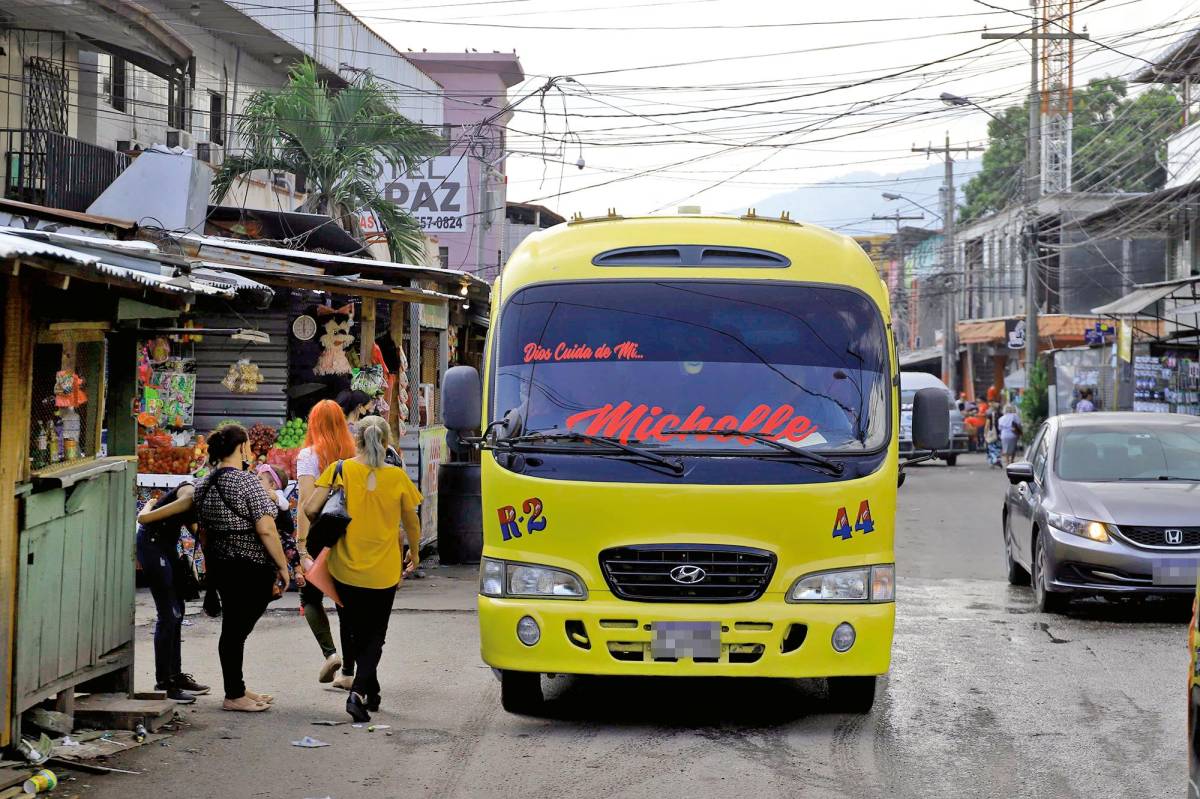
[{"x": 157, "y": 563}]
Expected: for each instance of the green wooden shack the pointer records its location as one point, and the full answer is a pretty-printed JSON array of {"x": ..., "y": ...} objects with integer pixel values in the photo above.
[{"x": 68, "y": 362}]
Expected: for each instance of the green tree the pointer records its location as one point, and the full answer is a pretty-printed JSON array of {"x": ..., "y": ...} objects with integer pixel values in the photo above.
[
  {"x": 336, "y": 139},
  {"x": 1035, "y": 401},
  {"x": 1118, "y": 143}
]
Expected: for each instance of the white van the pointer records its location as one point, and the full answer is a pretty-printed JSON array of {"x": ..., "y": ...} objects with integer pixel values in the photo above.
[{"x": 910, "y": 383}]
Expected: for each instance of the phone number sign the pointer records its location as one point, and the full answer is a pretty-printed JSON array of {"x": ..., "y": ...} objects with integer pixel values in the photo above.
[{"x": 435, "y": 192}]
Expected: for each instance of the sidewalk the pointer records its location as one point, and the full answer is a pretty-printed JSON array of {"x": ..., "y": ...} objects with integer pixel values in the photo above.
[{"x": 444, "y": 588}]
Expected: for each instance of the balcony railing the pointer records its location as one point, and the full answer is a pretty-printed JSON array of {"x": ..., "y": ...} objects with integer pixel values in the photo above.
[{"x": 57, "y": 171}]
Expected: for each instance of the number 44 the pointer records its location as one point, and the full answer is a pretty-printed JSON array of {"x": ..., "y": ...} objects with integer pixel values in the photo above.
[{"x": 862, "y": 524}]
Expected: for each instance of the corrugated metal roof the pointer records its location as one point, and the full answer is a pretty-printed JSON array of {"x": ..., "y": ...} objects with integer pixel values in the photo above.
[
  {"x": 1135, "y": 301},
  {"x": 12, "y": 246}
]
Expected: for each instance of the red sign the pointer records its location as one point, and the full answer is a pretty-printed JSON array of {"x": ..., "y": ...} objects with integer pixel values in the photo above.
[
  {"x": 626, "y": 421},
  {"x": 625, "y": 351}
]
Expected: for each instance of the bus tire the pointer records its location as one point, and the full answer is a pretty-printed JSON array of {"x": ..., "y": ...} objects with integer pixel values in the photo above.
[
  {"x": 951, "y": 459},
  {"x": 851, "y": 694},
  {"x": 521, "y": 692}
]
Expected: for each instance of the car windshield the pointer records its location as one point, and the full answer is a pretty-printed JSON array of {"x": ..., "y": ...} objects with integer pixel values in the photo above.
[
  {"x": 1094, "y": 454},
  {"x": 907, "y": 395},
  {"x": 644, "y": 361}
]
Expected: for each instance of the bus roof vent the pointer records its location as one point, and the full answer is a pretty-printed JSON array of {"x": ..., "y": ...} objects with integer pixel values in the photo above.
[{"x": 692, "y": 255}]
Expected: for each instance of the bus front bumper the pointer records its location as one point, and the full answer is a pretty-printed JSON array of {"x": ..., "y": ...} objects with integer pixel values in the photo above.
[{"x": 765, "y": 638}]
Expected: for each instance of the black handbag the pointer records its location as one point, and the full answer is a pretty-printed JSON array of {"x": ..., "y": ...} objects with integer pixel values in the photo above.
[{"x": 330, "y": 525}]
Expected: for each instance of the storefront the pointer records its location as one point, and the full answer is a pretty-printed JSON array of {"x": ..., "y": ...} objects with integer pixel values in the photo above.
[
  {"x": 1156, "y": 356},
  {"x": 387, "y": 329}
]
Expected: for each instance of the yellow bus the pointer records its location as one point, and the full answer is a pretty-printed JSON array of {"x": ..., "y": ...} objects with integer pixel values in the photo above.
[{"x": 689, "y": 455}]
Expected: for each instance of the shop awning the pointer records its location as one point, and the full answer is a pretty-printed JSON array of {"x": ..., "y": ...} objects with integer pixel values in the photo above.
[
  {"x": 333, "y": 284},
  {"x": 1137, "y": 301},
  {"x": 1053, "y": 329},
  {"x": 923, "y": 355}
]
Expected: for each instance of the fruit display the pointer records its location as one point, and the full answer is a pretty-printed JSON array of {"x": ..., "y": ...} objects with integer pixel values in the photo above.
[
  {"x": 166, "y": 460},
  {"x": 284, "y": 459},
  {"x": 291, "y": 435},
  {"x": 262, "y": 438}
]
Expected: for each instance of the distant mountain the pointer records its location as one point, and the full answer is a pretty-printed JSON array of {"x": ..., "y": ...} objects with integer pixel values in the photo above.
[{"x": 848, "y": 201}]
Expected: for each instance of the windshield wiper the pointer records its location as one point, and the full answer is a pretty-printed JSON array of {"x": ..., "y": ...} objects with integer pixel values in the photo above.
[
  {"x": 674, "y": 464},
  {"x": 805, "y": 456}
]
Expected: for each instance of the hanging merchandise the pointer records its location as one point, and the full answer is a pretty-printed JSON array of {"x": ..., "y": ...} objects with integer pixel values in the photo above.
[
  {"x": 160, "y": 350},
  {"x": 402, "y": 390},
  {"x": 68, "y": 390},
  {"x": 335, "y": 322},
  {"x": 243, "y": 377},
  {"x": 370, "y": 380}
]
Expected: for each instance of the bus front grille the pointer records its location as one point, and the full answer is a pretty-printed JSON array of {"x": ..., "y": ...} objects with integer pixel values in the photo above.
[{"x": 687, "y": 572}]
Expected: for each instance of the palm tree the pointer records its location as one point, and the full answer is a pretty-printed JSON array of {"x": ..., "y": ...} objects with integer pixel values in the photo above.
[{"x": 336, "y": 139}]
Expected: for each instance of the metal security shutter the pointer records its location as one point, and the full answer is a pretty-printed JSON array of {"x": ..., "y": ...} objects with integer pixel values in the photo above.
[{"x": 214, "y": 354}]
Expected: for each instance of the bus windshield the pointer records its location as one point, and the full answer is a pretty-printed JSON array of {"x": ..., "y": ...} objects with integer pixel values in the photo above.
[{"x": 657, "y": 363}]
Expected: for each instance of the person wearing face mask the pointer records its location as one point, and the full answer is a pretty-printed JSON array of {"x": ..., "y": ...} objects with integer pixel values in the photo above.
[{"x": 240, "y": 540}]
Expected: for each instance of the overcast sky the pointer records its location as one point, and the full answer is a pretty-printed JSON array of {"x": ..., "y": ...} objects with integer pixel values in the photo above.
[{"x": 758, "y": 102}]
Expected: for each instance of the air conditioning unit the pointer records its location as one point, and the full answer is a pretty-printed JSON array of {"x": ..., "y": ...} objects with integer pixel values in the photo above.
[
  {"x": 130, "y": 145},
  {"x": 179, "y": 138},
  {"x": 210, "y": 152}
]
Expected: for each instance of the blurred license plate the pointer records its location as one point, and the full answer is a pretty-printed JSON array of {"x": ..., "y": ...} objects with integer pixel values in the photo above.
[
  {"x": 685, "y": 639},
  {"x": 1175, "y": 571}
]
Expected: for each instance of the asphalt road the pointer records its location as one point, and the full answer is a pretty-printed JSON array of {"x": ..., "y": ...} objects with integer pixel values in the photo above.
[{"x": 986, "y": 698}]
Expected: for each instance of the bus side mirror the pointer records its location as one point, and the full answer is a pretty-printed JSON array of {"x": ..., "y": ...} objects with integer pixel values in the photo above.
[
  {"x": 931, "y": 419},
  {"x": 462, "y": 399}
]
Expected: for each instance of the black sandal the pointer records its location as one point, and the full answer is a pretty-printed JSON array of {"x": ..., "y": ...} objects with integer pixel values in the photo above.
[{"x": 356, "y": 707}]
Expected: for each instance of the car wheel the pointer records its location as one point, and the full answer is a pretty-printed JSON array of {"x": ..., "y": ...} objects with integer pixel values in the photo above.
[
  {"x": 851, "y": 694},
  {"x": 1016, "y": 572},
  {"x": 521, "y": 692},
  {"x": 951, "y": 459},
  {"x": 1046, "y": 601}
]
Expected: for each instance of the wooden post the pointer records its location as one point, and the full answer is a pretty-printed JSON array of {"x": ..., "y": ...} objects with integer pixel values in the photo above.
[
  {"x": 121, "y": 389},
  {"x": 16, "y": 378},
  {"x": 414, "y": 365},
  {"x": 366, "y": 332}
]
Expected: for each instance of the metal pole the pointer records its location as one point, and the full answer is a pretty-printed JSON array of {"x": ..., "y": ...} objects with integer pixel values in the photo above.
[
  {"x": 481, "y": 215},
  {"x": 1032, "y": 191},
  {"x": 951, "y": 336}
]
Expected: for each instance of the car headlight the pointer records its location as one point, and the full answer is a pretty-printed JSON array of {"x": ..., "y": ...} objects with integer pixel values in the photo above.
[
  {"x": 500, "y": 578},
  {"x": 1094, "y": 531},
  {"x": 863, "y": 584}
]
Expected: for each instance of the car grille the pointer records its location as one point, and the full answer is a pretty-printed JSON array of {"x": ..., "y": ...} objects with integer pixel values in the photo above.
[
  {"x": 727, "y": 574},
  {"x": 1158, "y": 536}
]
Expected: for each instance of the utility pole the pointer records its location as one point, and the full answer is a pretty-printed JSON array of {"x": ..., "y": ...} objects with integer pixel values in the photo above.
[
  {"x": 949, "y": 337},
  {"x": 898, "y": 303},
  {"x": 1033, "y": 155}
]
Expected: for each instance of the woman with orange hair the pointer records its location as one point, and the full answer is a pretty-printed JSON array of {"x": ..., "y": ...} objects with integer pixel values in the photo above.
[{"x": 328, "y": 441}]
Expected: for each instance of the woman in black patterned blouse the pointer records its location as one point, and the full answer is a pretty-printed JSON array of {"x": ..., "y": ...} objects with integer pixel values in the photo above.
[{"x": 248, "y": 564}]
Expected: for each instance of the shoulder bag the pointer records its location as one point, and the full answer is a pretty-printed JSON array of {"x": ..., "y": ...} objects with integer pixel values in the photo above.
[{"x": 330, "y": 525}]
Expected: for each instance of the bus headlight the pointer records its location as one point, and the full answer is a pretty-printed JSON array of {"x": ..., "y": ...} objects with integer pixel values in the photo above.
[
  {"x": 862, "y": 584},
  {"x": 498, "y": 578}
]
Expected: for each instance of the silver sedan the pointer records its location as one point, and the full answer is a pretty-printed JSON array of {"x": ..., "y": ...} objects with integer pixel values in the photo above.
[{"x": 1106, "y": 503}]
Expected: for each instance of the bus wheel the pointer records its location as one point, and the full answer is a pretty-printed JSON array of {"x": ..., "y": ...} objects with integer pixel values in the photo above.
[
  {"x": 852, "y": 694},
  {"x": 521, "y": 692},
  {"x": 952, "y": 459}
]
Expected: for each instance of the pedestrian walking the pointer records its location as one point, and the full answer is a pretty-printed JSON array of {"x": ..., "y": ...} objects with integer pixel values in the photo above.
[
  {"x": 367, "y": 563},
  {"x": 991, "y": 435},
  {"x": 170, "y": 581},
  {"x": 328, "y": 440},
  {"x": 1009, "y": 426},
  {"x": 355, "y": 404},
  {"x": 1085, "y": 404},
  {"x": 247, "y": 561}
]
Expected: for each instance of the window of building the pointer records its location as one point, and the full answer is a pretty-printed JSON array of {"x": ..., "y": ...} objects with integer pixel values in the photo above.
[
  {"x": 216, "y": 118},
  {"x": 118, "y": 83},
  {"x": 444, "y": 257}
]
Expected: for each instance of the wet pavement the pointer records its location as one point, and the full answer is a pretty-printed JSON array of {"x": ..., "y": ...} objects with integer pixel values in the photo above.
[{"x": 986, "y": 697}]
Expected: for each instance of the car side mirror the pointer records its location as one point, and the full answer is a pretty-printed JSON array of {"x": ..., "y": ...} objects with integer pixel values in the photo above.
[
  {"x": 462, "y": 399},
  {"x": 1019, "y": 472},
  {"x": 931, "y": 419}
]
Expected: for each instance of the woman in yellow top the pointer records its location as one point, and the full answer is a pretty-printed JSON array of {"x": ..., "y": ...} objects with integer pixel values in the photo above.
[{"x": 366, "y": 563}]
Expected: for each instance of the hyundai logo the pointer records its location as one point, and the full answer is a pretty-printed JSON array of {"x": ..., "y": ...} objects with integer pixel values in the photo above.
[
  {"x": 1173, "y": 536},
  {"x": 688, "y": 574}
]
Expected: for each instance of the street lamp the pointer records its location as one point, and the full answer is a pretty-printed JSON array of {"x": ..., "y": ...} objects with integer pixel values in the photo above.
[
  {"x": 887, "y": 195},
  {"x": 954, "y": 100}
]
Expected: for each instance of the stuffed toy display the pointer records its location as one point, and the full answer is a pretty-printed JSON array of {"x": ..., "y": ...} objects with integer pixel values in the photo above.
[{"x": 335, "y": 324}]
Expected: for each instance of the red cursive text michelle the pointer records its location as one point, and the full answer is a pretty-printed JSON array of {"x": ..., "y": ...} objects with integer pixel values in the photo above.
[{"x": 626, "y": 421}]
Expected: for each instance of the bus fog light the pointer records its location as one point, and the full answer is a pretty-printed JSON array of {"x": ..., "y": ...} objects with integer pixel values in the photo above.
[
  {"x": 529, "y": 632},
  {"x": 843, "y": 636}
]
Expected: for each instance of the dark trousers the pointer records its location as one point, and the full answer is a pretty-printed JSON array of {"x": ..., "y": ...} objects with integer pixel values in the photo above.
[
  {"x": 245, "y": 590},
  {"x": 366, "y": 612},
  {"x": 157, "y": 566}
]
